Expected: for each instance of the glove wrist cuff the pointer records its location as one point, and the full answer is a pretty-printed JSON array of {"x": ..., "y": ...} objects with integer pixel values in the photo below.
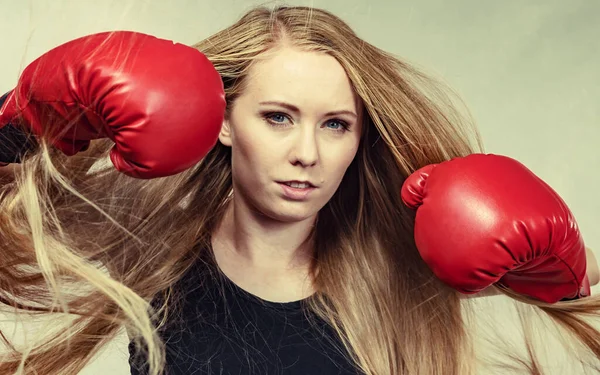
[{"x": 14, "y": 141}]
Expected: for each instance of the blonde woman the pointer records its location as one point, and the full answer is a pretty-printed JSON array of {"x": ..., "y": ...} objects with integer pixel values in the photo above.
[{"x": 320, "y": 208}]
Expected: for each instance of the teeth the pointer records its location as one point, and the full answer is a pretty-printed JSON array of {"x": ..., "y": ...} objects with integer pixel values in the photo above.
[{"x": 298, "y": 185}]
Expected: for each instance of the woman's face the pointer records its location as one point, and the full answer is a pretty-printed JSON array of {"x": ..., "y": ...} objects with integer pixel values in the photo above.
[{"x": 293, "y": 131}]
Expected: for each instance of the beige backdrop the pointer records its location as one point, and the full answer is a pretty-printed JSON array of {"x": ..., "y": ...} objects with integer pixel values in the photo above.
[{"x": 528, "y": 70}]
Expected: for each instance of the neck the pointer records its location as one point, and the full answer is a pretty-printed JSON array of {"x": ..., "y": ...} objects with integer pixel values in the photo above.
[
  {"x": 266, "y": 258},
  {"x": 261, "y": 243}
]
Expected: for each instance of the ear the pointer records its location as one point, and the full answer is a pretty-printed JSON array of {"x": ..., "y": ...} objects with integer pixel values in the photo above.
[{"x": 225, "y": 133}]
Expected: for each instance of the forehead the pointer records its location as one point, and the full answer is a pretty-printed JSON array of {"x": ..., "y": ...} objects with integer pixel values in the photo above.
[{"x": 303, "y": 78}]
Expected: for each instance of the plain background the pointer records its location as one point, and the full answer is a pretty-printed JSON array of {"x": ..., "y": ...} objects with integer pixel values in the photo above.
[{"x": 528, "y": 71}]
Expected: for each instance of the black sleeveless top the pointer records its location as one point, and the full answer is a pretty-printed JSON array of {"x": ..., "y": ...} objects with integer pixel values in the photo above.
[{"x": 225, "y": 330}]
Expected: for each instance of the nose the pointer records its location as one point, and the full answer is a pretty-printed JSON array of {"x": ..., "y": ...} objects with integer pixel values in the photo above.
[{"x": 305, "y": 150}]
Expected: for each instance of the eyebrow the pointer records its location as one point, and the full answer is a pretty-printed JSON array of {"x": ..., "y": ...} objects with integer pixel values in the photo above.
[{"x": 293, "y": 108}]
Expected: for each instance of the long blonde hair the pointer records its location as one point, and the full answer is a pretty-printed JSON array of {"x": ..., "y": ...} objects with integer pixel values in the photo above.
[{"x": 95, "y": 247}]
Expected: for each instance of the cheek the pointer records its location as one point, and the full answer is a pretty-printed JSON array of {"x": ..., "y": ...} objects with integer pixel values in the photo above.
[
  {"x": 243, "y": 144},
  {"x": 339, "y": 159},
  {"x": 252, "y": 150}
]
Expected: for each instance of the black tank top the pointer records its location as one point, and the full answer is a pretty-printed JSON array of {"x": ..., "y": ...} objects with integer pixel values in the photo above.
[{"x": 225, "y": 330}]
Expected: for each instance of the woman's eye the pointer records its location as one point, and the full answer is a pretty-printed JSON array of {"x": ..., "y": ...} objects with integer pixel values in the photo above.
[
  {"x": 281, "y": 119},
  {"x": 276, "y": 118},
  {"x": 337, "y": 125}
]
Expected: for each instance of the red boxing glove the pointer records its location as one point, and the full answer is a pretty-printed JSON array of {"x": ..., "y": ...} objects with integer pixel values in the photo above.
[
  {"x": 162, "y": 103},
  {"x": 484, "y": 219}
]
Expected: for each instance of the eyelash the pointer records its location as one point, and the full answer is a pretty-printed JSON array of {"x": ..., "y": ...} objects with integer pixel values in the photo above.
[{"x": 344, "y": 127}]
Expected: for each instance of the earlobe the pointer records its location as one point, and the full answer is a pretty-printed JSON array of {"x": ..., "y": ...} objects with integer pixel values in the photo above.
[{"x": 225, "y": 134}]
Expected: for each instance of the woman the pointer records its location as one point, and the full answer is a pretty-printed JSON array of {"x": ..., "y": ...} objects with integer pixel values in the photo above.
[{"x": 287, "y": 250}]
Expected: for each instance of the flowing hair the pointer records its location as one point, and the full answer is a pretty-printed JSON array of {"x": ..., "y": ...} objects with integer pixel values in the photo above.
[{"x": 90, "y": 249}]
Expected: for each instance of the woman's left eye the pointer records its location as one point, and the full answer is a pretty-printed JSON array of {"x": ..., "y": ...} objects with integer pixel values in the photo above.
[{"x": 337, "y": 125}]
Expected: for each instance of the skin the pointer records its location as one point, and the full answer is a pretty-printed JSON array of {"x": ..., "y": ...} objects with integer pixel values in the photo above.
[
  {"x": 593, "y": 272},
  {"x": 261, "y": 243}
]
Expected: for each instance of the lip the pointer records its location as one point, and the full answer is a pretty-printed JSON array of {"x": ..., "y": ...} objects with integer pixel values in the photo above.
[
  {"x": 310, "y": 184},
  {"x": 296, "y": 194}
]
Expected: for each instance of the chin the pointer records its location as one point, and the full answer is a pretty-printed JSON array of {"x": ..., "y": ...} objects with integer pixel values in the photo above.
[{"x": 292, "y": 212}]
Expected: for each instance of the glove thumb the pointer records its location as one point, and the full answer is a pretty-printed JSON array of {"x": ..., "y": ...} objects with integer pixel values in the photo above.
[{"x": 413, "y": 189}]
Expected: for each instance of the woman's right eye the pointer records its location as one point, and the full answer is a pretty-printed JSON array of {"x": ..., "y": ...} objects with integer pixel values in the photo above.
[{"x": 276, "y": 118}]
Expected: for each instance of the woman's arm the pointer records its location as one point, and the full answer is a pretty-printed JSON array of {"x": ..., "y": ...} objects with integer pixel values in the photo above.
[{"x": 593, "y": 272}]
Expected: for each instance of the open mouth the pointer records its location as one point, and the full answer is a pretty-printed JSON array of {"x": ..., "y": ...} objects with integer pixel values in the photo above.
[
  {"x": 298, "y": 184},
  {"x": 297, "y": 190}
]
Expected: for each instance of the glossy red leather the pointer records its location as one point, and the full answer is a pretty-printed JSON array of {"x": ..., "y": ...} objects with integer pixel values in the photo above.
[
  {"x": 486, "y": 219},
  {"x": 161, "y": 102}
]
